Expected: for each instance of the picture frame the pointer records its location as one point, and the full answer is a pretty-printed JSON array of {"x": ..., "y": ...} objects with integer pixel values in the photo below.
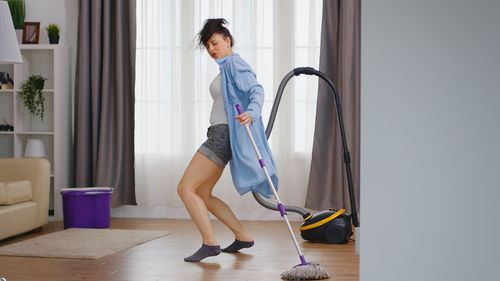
[{"x": 31, "y": 32}]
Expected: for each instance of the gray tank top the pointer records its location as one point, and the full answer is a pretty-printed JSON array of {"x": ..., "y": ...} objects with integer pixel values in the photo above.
[{"x": 218, "y": 113}]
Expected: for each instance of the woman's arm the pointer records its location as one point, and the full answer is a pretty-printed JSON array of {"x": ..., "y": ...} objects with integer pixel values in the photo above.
[{"x": 246, "y": 81}]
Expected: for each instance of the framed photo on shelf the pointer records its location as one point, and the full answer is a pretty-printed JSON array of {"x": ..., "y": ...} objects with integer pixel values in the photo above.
[{"x": 31, "y": 32}]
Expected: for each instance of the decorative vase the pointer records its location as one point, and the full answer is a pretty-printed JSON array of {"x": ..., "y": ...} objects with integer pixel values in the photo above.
[
  {"x": 40, "y": 83},
  {"x": 35, "y": 148},
  {"x": 54, "y": 39}
]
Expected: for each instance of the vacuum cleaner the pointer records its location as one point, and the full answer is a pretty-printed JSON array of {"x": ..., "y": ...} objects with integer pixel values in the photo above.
[{"x": 329, "y": 226}]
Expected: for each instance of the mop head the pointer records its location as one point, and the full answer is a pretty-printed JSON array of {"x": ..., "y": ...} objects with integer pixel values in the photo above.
[{"x": 311, "y": 271}]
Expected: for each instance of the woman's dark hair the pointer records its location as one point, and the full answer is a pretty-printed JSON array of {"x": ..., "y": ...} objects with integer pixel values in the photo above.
[{"x": 212, "y": 26}]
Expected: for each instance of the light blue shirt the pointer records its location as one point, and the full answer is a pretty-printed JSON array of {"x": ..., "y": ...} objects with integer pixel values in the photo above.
[{"x": 240, "y": 86}]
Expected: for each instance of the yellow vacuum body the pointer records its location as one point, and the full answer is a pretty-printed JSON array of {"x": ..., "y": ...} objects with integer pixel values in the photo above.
[{"x": 329, "y": 226}]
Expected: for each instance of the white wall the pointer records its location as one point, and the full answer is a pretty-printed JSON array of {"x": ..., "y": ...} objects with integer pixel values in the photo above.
[
  {"x": 430, "y": 156},
  {"x": 64, "y": 13}
]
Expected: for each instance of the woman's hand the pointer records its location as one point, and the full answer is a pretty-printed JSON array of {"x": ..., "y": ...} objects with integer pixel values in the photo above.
[{"x": 244, "y": 118}]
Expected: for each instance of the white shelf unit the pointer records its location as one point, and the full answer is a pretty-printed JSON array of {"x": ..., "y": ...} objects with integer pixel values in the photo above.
[{"x": 53, "y": 63}]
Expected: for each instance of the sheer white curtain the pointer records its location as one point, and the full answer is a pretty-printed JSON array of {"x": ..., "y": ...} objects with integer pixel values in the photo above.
[{"x": 173, "y": 102}]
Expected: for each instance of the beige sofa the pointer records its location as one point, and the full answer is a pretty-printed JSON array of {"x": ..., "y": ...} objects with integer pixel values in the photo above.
[{"x": 24, "y": 195}]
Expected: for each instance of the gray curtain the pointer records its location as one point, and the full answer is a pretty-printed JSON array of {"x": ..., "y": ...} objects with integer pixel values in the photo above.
[
  {"x": 340, "y": 61},
  {"x": 104, "y": 97}
]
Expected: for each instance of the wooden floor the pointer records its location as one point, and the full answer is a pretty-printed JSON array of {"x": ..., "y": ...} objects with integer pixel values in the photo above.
[{"x": 162, "y": 259}]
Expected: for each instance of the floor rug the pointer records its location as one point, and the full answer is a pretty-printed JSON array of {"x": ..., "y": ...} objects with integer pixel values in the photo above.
[{"x": 81, "y": 243}]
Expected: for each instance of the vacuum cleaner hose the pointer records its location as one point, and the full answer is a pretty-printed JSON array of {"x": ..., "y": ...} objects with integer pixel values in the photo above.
[{"x": 347, "y": 159}]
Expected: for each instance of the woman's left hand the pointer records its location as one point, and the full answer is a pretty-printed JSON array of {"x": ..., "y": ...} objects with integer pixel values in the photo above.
[{"x": 244, "y": 118}]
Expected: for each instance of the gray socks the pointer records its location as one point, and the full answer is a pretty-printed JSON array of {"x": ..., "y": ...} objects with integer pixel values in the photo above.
[
  {"x": 203, "y": 252},
  {"x": 209, "y": 251},
  {"x": 237, "y": 245}
]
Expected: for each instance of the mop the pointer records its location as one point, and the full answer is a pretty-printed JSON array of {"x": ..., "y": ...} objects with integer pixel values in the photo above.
[{"x": 304, "y": 270}]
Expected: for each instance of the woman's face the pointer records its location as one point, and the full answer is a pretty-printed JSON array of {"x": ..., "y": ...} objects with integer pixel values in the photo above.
[{"x": 218, "y": 47}]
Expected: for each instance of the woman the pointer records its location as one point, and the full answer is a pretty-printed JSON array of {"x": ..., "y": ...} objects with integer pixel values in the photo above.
[{"x": 227, "y": 141}]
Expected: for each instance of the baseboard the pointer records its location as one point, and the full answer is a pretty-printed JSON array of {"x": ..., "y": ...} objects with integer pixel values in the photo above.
[{"x": 259, "y": 213}]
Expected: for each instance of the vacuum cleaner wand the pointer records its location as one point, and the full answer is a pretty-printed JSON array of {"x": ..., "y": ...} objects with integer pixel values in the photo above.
[{"x": 347, "y": 158}]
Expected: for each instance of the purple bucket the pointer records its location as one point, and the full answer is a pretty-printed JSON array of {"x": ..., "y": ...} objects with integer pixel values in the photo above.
[{"x": 86, "y": 207}]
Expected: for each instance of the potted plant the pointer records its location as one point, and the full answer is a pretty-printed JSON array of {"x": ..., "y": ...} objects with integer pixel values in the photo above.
[
  {"x": 31, "y": 93},
  {"x": 18, "y": 13},
  {"x": 53, "y": 32}
]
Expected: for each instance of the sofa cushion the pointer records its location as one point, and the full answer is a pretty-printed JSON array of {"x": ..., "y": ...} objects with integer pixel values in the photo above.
[
  {"x": 17, "y": 218},
  {"x": 14, "y": 192}
]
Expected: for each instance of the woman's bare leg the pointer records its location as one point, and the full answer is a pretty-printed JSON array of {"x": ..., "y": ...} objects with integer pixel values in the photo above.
[
  {"x": 221, "y": 210},
  {"x": 199, "y": 171}
]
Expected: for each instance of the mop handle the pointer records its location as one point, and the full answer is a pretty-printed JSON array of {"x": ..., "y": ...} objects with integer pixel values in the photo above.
[{"x": 280, "y": 205}]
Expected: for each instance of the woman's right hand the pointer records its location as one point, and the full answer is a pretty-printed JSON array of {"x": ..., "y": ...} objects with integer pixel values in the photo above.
[{"x": 244, "y": 118}]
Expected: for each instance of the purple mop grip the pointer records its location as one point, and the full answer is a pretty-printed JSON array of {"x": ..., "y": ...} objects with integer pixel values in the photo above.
[
  {"x": 238, "y": 107},
  {"x": 282, "y": 209}
]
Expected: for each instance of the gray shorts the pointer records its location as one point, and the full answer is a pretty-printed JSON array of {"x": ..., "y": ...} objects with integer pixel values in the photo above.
[{"x": 217, "y": 146}]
